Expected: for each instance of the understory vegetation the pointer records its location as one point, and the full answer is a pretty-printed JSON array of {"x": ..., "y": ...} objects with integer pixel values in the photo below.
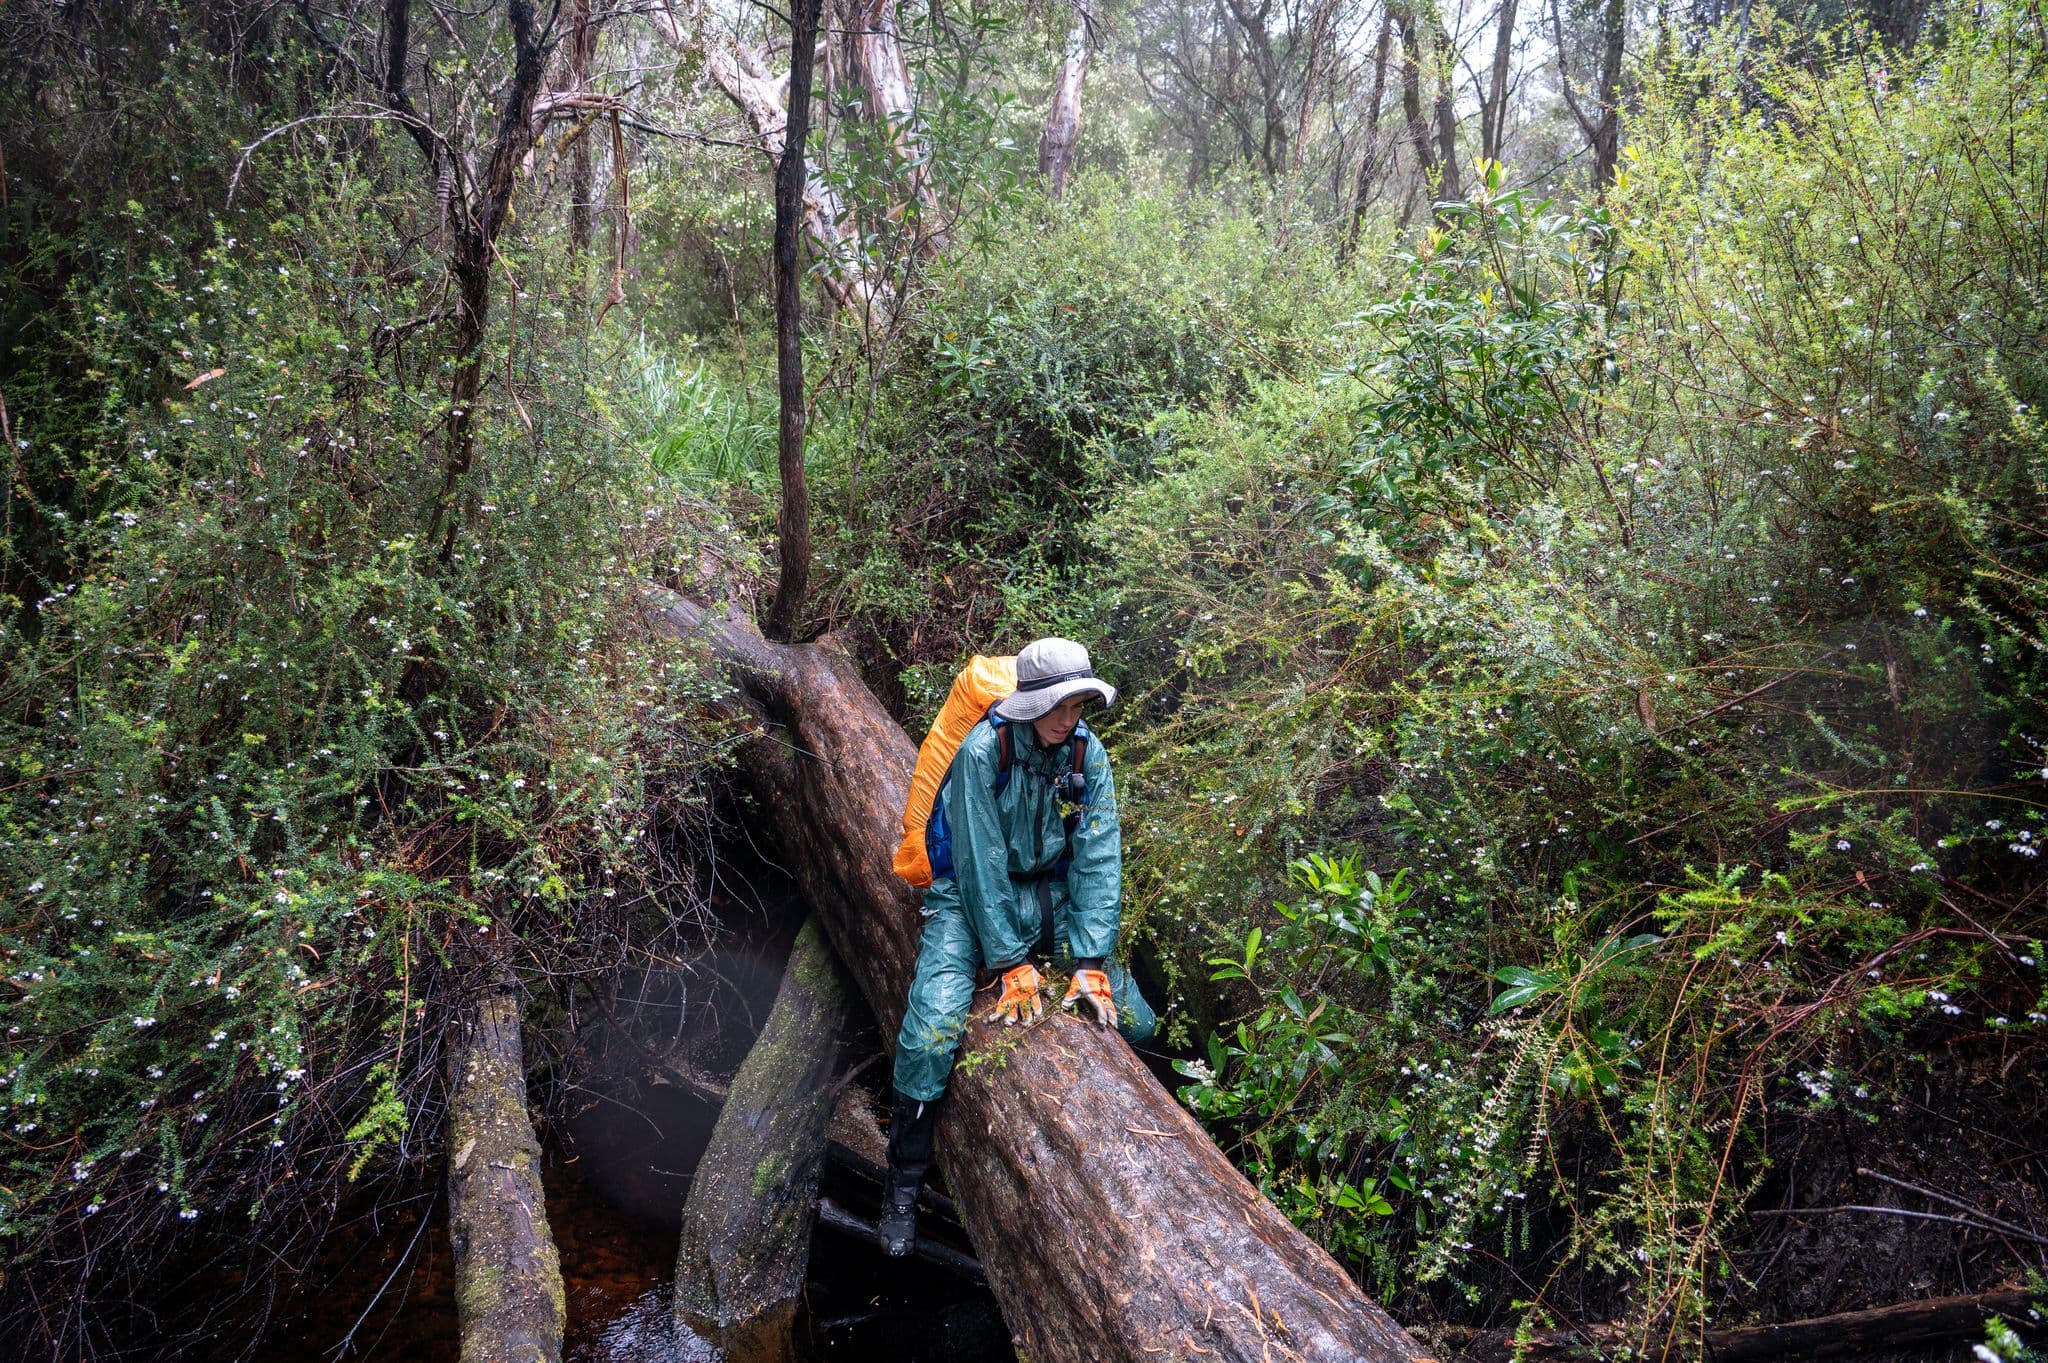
[
  {"x": 1585, "y": 719},
  {"x": 1584, "y": 647}
]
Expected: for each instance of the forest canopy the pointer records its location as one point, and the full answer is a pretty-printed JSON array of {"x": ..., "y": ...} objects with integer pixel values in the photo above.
[{"x": 1562, "y": 490}]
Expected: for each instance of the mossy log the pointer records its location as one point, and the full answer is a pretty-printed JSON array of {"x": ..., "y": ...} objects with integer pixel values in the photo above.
[
  {"x": 747, "y": 1221},
  {"x": 1111, "y": 1226},
  {"x": 508, "y": 1277}
]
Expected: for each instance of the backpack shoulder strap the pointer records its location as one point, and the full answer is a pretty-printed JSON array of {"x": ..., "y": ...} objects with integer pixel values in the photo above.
[{"x": 1005, "y": 751}]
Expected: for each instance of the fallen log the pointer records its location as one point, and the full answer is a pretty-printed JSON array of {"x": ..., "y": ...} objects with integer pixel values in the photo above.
[
  {"x": 508, "y": 1277},
  {"x": 1884, "y": 1329},
  {"x": 746, "y": 1236},
  {"x": 1898, "y": 1328},
  {"x": 1111, "y": 1226}
]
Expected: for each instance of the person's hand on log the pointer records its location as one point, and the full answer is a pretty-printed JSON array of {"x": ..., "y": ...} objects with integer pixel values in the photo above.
[
  {"x": 1019, "y": 1002},
  {"x": 1091, "y": 987}
]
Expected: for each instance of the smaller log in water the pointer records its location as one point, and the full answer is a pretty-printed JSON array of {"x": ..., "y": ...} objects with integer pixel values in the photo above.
[
  {"x": 747, "y": 1222},
  {"x": 508, "y": 1277}
]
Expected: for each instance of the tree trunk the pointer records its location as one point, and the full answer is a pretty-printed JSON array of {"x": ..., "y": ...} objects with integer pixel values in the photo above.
[
  {"x": 1603, "y": 133},
  {"x": 508, "y": 1278},
  {"x": 582, "y": 177},
  {"x": 1063, "y": 123},
  {"x": 746, "y": 1236},
  {"x": 1265, "y": 66},
  {"x": 793, "y": 526},
  {"x": 1322, "y": 19},
  {"x": 874, "y": 47},
  {"x": 1369, "y": 159},
  {"x": 476, "y": 217},
  {"x": 1112, "y": 1228},
  {"x": 1411, "y": 99},
  {"x": 1607, "y": 132},
  {"x": 1442, "y": 58},
  {"x": 1493, "y": 113},
  {"x": 742, "y": 74}
]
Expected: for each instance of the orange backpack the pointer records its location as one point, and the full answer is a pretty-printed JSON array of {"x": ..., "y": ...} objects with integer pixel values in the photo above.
[{"x": 980, "y": 684}]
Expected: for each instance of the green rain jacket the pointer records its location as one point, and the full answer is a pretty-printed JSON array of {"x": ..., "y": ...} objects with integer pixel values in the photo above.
[{"x": 1020, "y": 833}]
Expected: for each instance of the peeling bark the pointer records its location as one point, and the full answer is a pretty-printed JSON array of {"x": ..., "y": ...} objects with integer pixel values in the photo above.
[
  {"x": 872, "y": 41},
  {"x": 508, "y": 1278},
  {"x": 747, "y": 1222},
  {"x": 1063, "y": 123},
  {"x": 1112, "y": 1228},
  {"x": 741, "y": 73}
]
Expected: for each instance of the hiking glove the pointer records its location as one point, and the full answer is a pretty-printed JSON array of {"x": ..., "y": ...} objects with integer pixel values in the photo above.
[
  {"x": 1019, "y": 1002},
  {"x": 1092, "y": 988}
]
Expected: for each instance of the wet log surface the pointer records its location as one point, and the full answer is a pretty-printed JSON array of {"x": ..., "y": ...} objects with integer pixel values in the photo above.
[
  {"x": 746, "y": 1230},
  {"x": 1111, "y": 1226},
  {"x": 508, "y": 1276}
]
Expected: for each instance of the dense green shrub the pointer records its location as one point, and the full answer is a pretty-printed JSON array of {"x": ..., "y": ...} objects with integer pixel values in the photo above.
[
  {"x": 1032, "y": 386},
  {"x": 269, "y": 752},
  {"x": 1675, "y": 595}
]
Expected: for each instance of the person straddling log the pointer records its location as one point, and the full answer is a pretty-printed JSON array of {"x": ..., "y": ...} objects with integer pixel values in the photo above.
[{"x": 1026, "y": 866}]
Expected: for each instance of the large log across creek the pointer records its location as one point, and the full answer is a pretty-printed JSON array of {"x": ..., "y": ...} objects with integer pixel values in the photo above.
[{"x": 1110, "y": 1225}]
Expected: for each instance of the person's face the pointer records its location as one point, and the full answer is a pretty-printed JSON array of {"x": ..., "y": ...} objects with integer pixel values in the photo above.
[{"x": 1056, "y": 725}]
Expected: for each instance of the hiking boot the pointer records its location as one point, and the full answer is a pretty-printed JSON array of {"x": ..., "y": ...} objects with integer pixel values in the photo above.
[
  {"x": 910, "y": 1159},
  {"x": 897, "y": 1230}
]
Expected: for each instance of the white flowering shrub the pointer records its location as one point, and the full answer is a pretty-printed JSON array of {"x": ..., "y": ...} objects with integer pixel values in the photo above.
[{"x": 267, "y": 748}]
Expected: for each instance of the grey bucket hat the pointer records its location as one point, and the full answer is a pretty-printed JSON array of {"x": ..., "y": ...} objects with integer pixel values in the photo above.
[{"x": 1048, "y": 671}]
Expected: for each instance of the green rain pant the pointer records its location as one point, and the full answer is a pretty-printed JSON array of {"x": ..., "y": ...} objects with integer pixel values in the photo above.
[{"x": 943, "y": 992}]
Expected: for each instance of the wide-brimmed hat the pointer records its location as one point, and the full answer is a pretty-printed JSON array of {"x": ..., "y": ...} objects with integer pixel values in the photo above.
[{"x": 1048, "y": 671}]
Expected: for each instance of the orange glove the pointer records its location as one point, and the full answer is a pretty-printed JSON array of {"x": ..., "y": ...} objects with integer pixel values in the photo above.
[
  {"x": 1092, "y": 988},
  {"x": 1019, "y": 1002}
]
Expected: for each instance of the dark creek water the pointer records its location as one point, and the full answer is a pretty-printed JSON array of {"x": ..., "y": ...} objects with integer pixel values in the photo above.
[
  {"x": 616, "y": 1177},
  {"x": 614, "y": 1207}
]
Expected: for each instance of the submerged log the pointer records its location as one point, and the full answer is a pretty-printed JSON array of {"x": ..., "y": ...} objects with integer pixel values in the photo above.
[
  {"x": 508, "y": 1277},
  {"x": 832, "y": 1216},
  {"x": 747, "y": 1222},
  {"x": 1111, "y": 1226}
]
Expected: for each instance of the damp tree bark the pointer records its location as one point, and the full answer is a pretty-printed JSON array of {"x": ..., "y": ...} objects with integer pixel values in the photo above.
[
  {"x": 747, "y": 1222},
  {"x": 793, "y": 524},
  {"x": 508, "y": 1277},
  {"x": 1111, "y": 1226}
]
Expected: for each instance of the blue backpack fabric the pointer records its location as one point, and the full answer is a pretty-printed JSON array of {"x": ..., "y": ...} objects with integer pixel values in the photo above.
[{"x": 938, "y": 835}]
